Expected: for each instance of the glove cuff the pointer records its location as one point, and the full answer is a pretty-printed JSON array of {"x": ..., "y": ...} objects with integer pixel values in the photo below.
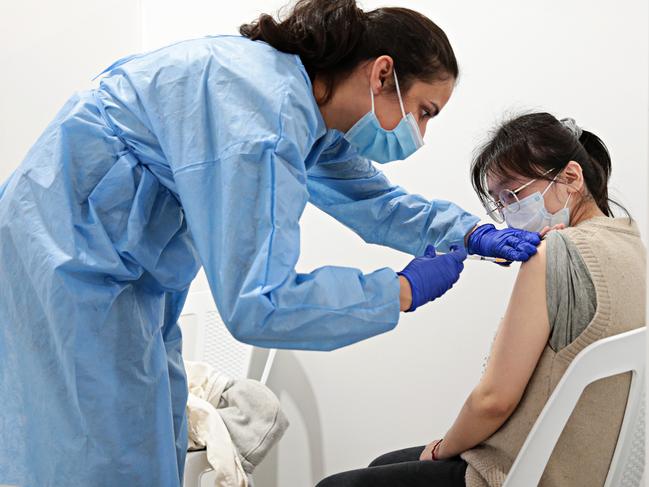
[{"x": 473, "y": 242}]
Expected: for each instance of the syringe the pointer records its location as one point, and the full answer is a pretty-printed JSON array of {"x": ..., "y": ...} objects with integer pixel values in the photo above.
[{"x": 497, "y": 260}]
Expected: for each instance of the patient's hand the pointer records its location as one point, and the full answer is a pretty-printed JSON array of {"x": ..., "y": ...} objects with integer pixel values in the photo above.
[{"x": 546, "y": 230}]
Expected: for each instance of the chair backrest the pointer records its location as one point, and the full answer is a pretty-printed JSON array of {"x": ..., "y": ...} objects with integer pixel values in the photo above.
[
  {"x": 207, "y": 339},
  {"x": 611, "y": 356}
]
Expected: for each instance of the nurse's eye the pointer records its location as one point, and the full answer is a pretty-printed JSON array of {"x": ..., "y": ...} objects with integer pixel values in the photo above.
[{"x": 426, "y": 114}]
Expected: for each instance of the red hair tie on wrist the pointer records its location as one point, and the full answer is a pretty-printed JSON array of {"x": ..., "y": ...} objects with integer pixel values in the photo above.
[{"x": 434, "y": 452}]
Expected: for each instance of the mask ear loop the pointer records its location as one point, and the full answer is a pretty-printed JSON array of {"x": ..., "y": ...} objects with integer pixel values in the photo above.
[
  {"x": 568, "y": 200},
  {"x": 396, "y": 84},
  {"x": 551, "y": 183}
]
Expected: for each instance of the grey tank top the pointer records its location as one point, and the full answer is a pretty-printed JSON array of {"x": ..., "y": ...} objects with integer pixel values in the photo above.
[{"x": 571, "y": 296}]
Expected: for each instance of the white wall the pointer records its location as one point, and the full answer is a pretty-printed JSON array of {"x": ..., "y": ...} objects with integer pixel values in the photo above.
[
  {"x": 49, "y": 50},
  {"x": 586, "y": 59}
]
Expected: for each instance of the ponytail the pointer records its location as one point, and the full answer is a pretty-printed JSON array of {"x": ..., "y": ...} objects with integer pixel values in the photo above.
[{"x": 598, "y": 172}]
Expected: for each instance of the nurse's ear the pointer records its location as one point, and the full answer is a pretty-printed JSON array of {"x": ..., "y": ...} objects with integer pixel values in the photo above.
[
  {"x": 380, "y": 73},
  {"x": 573, "y": 177}
]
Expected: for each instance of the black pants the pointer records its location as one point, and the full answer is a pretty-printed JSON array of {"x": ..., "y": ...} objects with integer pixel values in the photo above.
[{"x": 402, "y": 468}]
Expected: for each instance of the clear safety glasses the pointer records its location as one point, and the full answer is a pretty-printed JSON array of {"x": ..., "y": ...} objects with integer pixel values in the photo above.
[{"x": 508, "y": 198}]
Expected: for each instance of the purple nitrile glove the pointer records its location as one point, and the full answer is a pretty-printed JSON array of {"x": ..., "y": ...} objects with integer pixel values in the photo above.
[
  {"x": 510, "y": 243},
  {"x": 432, "y": 275}
]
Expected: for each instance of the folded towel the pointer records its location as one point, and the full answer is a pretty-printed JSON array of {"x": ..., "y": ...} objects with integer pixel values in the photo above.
[{"x": 237, "y": 420}]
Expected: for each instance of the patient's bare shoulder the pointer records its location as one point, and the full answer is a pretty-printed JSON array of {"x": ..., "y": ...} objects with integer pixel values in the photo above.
[{"x": 531, "y": 276}]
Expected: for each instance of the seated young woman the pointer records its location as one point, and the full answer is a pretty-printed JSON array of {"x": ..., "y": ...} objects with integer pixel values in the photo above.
[{"x": 587, "y": 282}]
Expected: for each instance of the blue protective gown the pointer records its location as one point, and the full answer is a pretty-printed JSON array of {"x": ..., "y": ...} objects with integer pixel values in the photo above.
[{"x": 201, "y": 153}]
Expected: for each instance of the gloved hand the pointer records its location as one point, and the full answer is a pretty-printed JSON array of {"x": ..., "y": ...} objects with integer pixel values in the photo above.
[
  {"x": 510, "y": 243},
  {"x": 431, "y": 275}
]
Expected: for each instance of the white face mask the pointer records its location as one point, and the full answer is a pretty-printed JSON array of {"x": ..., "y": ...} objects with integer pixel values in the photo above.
[{"x": 533, "y": 216}]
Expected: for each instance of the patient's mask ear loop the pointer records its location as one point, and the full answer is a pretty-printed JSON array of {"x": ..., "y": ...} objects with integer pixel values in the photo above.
[
  {"x": 551, "y": 183},
  {"x": 561, "y": 217},
  {"x": 566, "y": 211},
  {"x": 568, "y": 200}
]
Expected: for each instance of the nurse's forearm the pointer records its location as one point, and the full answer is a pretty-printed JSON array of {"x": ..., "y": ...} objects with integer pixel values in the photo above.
[
  {"x": 326, "y": 309},
  {"x": 405, "y": 294}
]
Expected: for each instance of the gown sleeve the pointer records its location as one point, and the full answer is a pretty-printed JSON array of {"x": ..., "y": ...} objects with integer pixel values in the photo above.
[
  {"x": 239, "y": 170},
  {"x": 354, "y": 192}
]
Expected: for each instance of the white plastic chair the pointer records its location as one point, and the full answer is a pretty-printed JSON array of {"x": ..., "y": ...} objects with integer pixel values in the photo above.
[
  {"x": 613, "y": 355},
  {"x": 206, "y": 339}
]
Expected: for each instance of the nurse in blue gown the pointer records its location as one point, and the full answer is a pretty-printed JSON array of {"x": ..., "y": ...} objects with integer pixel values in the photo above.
[{"x": 205, "y": 153}]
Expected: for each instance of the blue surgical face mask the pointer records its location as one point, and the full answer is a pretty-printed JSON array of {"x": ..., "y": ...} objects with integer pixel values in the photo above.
[
  {"x": 531, "y": 214},
  {"x": 381, "y": 145}
]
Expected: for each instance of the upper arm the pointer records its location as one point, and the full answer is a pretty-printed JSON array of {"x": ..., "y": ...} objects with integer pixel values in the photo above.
[{"x": 521, "y": 338}]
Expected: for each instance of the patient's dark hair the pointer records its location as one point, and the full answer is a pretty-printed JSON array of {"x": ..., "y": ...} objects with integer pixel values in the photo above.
[
  {"x": 333, "y": 36},
  {"x": 530, "y": 145}
]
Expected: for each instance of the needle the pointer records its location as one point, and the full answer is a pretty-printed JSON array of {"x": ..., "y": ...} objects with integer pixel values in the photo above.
[{"x": 497, "y": 260}]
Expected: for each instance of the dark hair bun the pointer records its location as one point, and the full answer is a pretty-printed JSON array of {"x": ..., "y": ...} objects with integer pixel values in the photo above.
[{"x": 333, "y": 36}]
